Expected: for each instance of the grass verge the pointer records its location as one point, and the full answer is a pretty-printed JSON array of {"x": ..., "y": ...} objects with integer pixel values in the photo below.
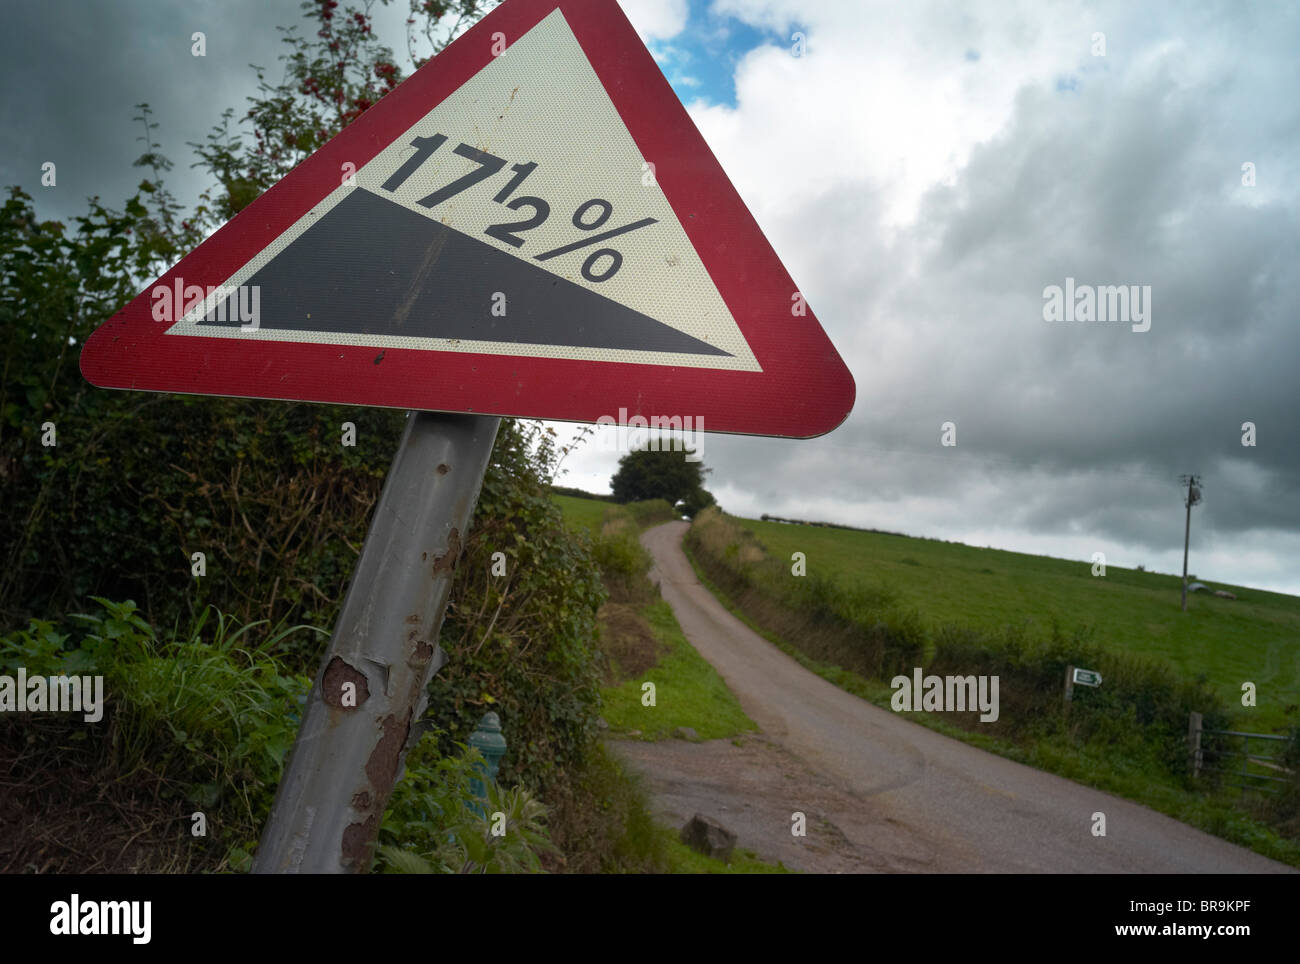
[{"x": 688, "y": 692}]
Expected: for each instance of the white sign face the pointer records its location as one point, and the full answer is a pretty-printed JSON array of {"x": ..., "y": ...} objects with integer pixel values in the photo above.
[{"x": 526, "y": 190}]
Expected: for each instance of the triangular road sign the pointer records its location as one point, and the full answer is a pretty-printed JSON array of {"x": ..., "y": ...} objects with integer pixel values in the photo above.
[{"x": 530, "y": 225}]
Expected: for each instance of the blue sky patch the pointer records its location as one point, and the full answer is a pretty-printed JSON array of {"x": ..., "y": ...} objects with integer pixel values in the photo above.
[{"x": 700, "y": 62}]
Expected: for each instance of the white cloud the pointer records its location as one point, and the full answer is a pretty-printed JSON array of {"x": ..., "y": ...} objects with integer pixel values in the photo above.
[{"x": 656, "y": 19}]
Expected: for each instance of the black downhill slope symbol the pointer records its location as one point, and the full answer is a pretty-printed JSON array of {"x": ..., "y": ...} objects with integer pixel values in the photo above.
[{"x": 372, "y": 267}]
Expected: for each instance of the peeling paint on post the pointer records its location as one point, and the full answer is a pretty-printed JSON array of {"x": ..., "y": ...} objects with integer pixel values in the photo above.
[
  {"x": 338, "y": 673},
  {"x": 349, "y": 754}
]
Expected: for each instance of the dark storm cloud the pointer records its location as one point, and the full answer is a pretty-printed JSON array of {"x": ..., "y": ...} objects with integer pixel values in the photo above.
[
  {"x": 74, "y": 71},
  {"x": 1143, "y": 189}
]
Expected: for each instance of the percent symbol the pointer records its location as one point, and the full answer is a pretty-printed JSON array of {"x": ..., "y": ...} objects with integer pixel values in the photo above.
[{"x": 616, "y": 259}]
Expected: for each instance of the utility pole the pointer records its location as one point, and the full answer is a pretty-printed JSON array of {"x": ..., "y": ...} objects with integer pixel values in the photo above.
[{"x": 1193, "y": 497}]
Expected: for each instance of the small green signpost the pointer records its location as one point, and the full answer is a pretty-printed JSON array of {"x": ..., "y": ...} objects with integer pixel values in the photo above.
[{"x": 1087, "y": 677}]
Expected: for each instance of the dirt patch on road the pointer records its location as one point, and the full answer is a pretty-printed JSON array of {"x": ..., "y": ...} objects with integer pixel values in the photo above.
[
  {"x": 628, "y": 643},
  {"x": 754, "y": 787}
]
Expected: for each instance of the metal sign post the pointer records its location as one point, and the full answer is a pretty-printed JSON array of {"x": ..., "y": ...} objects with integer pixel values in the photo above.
[{"x": 371, "y": 688}]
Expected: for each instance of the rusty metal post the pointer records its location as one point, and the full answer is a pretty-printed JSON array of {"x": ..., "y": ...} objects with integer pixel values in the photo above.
[{"x": 370, "y": 691}]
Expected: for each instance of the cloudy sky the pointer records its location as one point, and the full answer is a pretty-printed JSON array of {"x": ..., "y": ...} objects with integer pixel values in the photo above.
[{"x": 925, "y": 170}]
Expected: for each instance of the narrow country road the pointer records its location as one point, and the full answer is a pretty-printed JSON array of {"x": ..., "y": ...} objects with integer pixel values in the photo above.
[{"x": 905, "y": 797}]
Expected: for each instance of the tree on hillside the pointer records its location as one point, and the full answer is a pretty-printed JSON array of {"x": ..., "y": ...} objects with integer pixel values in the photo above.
[{"x": 661, "y": 474}]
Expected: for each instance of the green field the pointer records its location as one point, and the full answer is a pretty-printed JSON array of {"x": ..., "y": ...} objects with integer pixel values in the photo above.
[
  {"x": 1254, "y": 638},
  {"x": 582, "y": 513}
]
